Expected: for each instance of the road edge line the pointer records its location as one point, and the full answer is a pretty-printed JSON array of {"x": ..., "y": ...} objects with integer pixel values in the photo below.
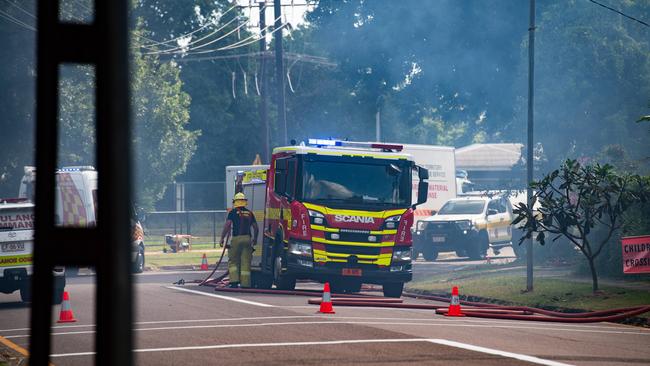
[
  {"x": 14, "y": 346},
  {"x": 221, "y": 297},
  {"x": 496, "y": 352}
]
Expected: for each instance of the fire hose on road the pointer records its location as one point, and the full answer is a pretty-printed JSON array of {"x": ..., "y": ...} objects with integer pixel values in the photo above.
[{"x": 473, "y": 309}]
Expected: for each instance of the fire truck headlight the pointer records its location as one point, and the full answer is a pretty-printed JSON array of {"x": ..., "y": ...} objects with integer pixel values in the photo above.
[
  {"x": 317, "y": 217},
  {"x": 402, "y": 254},
  {"x": 392, "y": 222},
  {"x": 302, "y": 249}
]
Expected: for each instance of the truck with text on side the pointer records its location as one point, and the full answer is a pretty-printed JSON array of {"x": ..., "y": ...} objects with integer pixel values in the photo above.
[
  {"x": 16, "y": 248},
  {"x": 341, "y": 212},
  {"x": 440, "y": 161}
]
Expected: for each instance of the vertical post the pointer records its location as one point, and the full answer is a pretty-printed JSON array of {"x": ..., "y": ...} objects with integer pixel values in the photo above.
[
  {"x": 529, "y": 157},
  {"x": 47, "y": 95},
  {"x": 378, "y": 123},
  {"x": 214, "y": 229},
  {"x": 104, "y": 44},
  {"x": 279, "y": 67},
  {"x": 263, "y": 90}
]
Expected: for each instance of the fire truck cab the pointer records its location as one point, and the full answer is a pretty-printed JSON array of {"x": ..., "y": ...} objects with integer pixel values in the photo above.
[{"x": 340, "y": 212}]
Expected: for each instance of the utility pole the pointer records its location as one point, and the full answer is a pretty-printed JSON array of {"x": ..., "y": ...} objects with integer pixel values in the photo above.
[
  {"x": 378, "y": 120},
  {"x": 529, "y": 157},
  {"x": 263, "y": 89},
  {"x": 279, "y": 67}
]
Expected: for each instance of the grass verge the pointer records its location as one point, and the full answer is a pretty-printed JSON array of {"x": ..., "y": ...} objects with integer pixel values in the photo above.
[
  {"x": 548, "y": 293},
  {"x": 158, "y": 259}
]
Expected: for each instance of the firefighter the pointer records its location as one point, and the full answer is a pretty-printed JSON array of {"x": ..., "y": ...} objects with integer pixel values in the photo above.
[{"x": 240, "y": 251}]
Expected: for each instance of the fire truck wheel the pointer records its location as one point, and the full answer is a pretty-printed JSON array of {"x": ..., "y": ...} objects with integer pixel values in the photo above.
[
  {"x": 393, "y": 289},
  {"x": 282, "y": 282},
  {"x": 430, "y": 253}
]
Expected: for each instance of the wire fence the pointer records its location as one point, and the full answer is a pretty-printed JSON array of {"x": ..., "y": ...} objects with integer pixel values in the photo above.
[
  {"x": 204, "y": 226},
  {"x": 193, "y": 196}
]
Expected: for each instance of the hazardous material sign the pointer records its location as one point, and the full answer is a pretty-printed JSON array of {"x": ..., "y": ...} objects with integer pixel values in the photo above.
[{"x": 636, "y": 254}]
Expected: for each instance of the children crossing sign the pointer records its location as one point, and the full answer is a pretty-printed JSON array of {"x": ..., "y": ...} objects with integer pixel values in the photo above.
[{"x": 636, "y": 254}]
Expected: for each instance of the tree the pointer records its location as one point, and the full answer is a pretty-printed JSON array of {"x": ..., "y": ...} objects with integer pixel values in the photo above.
[
  {"x": 577, "y": 199},
  {"x": 592, "y": 76},
  {"x": 162, "y": 144}
]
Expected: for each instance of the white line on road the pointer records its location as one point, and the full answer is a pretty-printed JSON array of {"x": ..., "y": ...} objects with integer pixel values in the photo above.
[
  {"x": 517, "y": 356},
  {"x": 384, "y": 323},
  {"x": 549, "y": 326},
  {"x": 221, "y": 297},
  {"x": 444, "y": 342}
]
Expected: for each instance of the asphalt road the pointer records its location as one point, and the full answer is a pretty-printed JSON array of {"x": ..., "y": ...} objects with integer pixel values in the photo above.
[{"x": 183, "y": 325}]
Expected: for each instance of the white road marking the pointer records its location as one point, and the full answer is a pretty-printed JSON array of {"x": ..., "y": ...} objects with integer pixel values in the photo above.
[
  {"x": 549, "y": 326},
  {"x": 333, "y": 321},
  {"x": 221, "y": 297},
  {"x": 517, "y": 356},
  {"x": 444, "y": 342}
]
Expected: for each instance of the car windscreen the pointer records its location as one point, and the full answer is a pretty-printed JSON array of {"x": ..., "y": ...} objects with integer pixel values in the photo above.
[
  {"x": 357, "y": 181},
  {"x": 465, "y": 207}
]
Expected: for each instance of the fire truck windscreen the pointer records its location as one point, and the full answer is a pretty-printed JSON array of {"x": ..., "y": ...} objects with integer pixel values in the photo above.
[{"x": 357, "y": 181}]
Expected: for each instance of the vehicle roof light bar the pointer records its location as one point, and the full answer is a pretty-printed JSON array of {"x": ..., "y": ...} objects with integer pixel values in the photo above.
[{"x": 364, "y": 145}]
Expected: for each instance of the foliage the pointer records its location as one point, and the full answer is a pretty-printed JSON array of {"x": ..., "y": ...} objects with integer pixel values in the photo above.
[
  {"x": 163, "y": 146},
  {"x": 17, "y": 101},
  {"x": 592, "y": 77},
  {"x": 576, "y": 199}
]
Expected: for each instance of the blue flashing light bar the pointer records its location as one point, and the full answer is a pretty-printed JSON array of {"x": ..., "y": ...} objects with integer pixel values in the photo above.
[
  {"x": 366, "y": 145},
  {"x": 323, "y": 142}
]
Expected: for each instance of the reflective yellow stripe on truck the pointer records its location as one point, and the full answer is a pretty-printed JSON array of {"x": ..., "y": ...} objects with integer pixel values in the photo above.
[{"x": 16, "y": 260}]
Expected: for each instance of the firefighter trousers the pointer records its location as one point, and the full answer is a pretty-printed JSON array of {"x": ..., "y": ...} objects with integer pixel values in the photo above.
[{"x": 239, "y": 260}]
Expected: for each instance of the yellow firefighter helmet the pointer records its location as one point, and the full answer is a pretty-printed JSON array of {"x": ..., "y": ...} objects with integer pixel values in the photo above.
[{"x": 239, "y": 200}]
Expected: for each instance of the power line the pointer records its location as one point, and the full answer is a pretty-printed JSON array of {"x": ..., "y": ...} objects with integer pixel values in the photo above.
[
  {"x": 181, "y": 48},
  {"x": 244, "y": 42},
  {"x": 213, "y": 22},
  {"x": 620, "y": 13},
  {"x": 21, "y": 9},
  {"x": 16, "y": 21},
  {"x": 289, "y": 56}
]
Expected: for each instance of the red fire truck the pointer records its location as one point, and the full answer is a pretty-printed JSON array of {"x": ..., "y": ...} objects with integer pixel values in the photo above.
[{"x": 341, "y": 212}]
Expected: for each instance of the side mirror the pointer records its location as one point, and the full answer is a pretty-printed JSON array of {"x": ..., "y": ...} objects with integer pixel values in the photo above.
[
  {"x": 491, "y": 212},
  {"x": 423, "y": 185}
]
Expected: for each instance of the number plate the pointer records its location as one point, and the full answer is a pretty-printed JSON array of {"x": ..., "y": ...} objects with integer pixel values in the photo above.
[
  {"x": 13, "y": 247},
  {"x": 438, "y": 239},
  {"x": 352, "y": 272}
]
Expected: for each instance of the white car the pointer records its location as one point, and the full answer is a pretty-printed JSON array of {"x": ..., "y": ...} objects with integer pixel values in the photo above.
[{"x": 468, "y": 226}]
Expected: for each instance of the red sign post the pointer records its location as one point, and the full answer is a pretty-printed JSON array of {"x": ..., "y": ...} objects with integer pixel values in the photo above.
[{"x": 636, "y": 254}]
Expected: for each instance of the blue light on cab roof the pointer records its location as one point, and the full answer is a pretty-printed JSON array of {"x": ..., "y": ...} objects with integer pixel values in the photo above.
[{"x": 324, "y": 142}]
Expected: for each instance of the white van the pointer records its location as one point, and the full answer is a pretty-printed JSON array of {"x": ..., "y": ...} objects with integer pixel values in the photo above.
[{"x": 76, "y": 204}]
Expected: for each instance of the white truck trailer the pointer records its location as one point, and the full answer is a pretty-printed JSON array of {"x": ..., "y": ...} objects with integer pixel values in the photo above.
[{"x": 441, "y": 163}]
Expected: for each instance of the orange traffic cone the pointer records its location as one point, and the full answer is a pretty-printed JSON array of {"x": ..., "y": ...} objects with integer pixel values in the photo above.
[
  {"x": 326, "y": 302},
  {"x": 204, "y": 263},
  {"x": 66, "y": 315},
  {"x": 454, "y": 305}
]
